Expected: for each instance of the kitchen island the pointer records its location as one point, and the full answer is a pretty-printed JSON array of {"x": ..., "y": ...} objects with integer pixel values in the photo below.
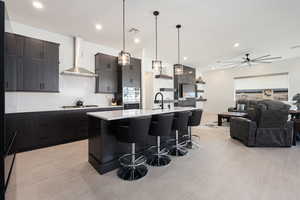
[{"x": 104, "y": 149}]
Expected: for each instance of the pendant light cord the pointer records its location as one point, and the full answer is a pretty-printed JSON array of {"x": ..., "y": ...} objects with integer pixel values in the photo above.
[
  {"x": 156, "y": 37},
  {"x": 123, "y": 25},
  {"x": 178, "y": 46}
]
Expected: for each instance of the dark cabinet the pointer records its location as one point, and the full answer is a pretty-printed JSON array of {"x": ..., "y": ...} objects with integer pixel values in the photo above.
[
  {"x": 43, "y": 129},
  {"x": 50, "y": 71},
  {"x": 47, "y": 126},
  {"x": 80, "y": 125},
  {"x": 14, "y": 44},
  {"x": 32, "y": 70},
  {"x": 34, "y": 49},
  {"x": 11, "y": 64},
  {"x": 26, "y": 128},
  {"x": 31, "y": 64},
  {"x": 14, "y": 51},
  {"x": 131, "y": 74},
  {"x": 107, "y": 70}
]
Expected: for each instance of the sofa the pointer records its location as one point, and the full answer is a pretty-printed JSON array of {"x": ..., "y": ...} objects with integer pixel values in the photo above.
[
  {"x": 247, "y": 104},
  {"x": 267, "y": 125}
]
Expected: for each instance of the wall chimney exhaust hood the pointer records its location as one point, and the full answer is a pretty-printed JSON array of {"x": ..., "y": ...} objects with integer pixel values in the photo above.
[{"x": 76, "y": 70}]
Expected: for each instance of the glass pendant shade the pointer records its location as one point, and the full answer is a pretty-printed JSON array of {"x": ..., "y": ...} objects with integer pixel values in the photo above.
[
  {"x": 157, "y": 65},
  {"x": 124, "y": 58},
  {"x": 178, "y": 69}
]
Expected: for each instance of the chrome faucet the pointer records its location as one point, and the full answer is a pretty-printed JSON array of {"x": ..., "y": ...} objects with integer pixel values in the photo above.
[{"x": 162, "y": 99}]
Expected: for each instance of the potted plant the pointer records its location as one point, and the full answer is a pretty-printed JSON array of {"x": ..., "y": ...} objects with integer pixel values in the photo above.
[{"x": 296, "y": 98}]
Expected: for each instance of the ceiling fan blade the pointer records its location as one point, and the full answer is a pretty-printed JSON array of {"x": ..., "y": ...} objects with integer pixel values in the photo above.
[
  {"x": 267, "y": 62},
  {"x": 262, "y": 57},
  {"x": 272, "y": 58},
  {"x": 228, "y": 62},
  {"x": 233, "y": 66}
]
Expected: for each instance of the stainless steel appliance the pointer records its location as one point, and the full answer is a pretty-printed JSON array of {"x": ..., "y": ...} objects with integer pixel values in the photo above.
[{"x": 131, "y": 97}]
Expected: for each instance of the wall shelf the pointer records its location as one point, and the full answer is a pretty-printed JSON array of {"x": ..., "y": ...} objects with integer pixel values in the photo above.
[
  {"x": 200, "y": 82},
  {"x": 167, "y": 89},
  {"x": 164, "y": 76},
  {"x": 202, "y": 100}
]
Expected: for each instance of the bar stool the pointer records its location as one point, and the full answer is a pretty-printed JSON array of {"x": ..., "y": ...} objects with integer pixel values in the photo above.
[
  {"x": 194, "y": 120},
  {"x": 133, "y": 164},
  {"x": 161, "y": 125},
  {"x": 180, "y": 123}
]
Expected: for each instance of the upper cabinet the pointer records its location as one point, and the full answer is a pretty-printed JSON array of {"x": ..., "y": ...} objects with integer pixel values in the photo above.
[
  {"x": 107, "y": 70},
  {"x": 131, "y": 76},
  {"x": 112, "y": 77},
  {"x": 31, "y": 65}
]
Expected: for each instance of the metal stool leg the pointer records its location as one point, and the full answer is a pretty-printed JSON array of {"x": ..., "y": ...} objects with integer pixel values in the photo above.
[
  {"x": 178, "y": 149},
  {"x": 159, "y": 158},
  {"x": 191, "y": 143},
  {"x": 132, "y": 167}
]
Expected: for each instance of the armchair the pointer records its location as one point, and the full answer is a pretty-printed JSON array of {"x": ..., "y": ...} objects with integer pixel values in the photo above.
[
  {"x": 267, "y": 126},
  {"x": 248, "y": 104}
]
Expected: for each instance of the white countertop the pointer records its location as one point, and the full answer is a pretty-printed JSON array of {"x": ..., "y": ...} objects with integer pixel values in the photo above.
[
  {"x": 123, "y": 114},
  {"x": 61, "y": 109}
]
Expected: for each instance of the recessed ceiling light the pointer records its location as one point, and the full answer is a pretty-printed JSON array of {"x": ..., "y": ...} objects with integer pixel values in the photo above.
[
  {"x": 236, "y": 44},
  {"x": 37, "y": 5},
  {"x": 98, "y": 27},
  {"x": 137, "y": 40},
  {"x": 185, "y": 58}
]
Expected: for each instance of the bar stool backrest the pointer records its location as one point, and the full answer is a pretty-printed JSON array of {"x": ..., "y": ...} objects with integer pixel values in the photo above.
[
  {"x": 134, "y": 130},
  {"x": 181, "y": 120},
  {"x": 195, "y": 118},
  {"x": 161, "y": 125}
]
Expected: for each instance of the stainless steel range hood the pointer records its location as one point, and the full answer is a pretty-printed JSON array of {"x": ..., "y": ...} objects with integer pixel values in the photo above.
[{"x": 76, "y": 70}]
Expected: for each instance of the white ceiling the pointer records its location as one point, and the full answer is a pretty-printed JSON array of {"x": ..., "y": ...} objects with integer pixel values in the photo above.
[{"x": 210, "y": 27}]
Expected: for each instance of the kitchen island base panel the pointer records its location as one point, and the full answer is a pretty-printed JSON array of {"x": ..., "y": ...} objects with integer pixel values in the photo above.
[
  {"x": 105, "y": 149},
  {"x": 103, "y": 168}
]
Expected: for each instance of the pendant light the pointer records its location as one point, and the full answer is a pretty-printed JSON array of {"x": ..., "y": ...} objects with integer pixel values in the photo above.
[
  {"x": 178, "y": 67},
  {"x": 156, "y": 64},
  {"x": 124, "y": 57}
]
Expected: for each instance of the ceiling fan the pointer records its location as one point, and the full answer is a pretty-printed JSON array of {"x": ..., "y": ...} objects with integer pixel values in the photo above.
[{"x": 266, "y": 59}]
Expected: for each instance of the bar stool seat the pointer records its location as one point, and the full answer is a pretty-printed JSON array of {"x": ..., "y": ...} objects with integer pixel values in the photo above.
[
  {"x": 180, "y": 123},
  {"x": 161, "y": 125},
  {"x": 132, "y": 164}
]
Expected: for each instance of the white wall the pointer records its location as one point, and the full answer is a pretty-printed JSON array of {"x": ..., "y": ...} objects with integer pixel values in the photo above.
[
  {"x": 220, "y": 83},
  {"x": 262, "y": 82},
  {"x": 153, "y": 85},
  {"x": 71, "y": 88}
]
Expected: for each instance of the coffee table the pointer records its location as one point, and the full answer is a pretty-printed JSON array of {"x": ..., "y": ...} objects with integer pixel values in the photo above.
[{"x": 229, "y": 115}]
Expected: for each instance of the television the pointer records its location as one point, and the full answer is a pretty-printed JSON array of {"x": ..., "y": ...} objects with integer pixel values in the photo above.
[{"x": 188, "y": 90}]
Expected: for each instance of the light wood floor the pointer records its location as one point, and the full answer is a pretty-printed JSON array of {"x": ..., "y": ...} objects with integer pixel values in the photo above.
[{"x": 223, "y": 169}]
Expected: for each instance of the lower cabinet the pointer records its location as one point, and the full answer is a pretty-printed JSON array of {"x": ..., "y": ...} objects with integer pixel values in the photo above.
[{"x": 44, "y": 129}]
